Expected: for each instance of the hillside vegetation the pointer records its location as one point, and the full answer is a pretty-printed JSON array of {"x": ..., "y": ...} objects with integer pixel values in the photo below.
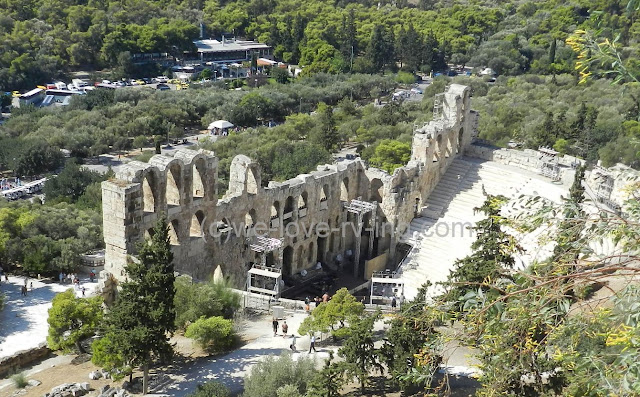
[{"x": 41, "y": 39}]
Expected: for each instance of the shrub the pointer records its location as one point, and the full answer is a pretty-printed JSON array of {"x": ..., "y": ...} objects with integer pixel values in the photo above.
[
  {"x": 271, "y": 375},
  {"x": 196, "y": 300},
  {"x": 19, "y": 380},
  {"x": 211, "y": 389},
  {"x": 213, "y": 334}
]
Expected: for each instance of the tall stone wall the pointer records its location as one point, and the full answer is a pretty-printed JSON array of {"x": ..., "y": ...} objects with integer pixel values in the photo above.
[{"x": 307, "y": 212}]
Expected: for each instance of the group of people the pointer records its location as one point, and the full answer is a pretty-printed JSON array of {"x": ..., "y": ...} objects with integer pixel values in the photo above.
[
  {"x": 285, "y": 329},
  {"x": 317, "y": 300}
]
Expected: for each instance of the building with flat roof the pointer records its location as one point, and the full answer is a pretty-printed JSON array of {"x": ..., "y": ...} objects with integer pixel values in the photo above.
[{"x": 228, "y": 50}]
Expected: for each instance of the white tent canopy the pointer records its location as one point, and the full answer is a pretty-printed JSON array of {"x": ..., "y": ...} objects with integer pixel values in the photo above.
[{"x": 220, "y": 124}]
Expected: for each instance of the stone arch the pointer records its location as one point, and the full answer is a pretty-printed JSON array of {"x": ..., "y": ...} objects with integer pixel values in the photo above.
[
  {"x": 250, "y": 218},
  {"x": 324, "y": 192},
  {"x": 288, "y": 205},
  {"x": 437, "y": 149},
  {"x": 376, "y": 190},
  {"x": 149, "y": 233},
  {"x": 460, "y": 138},
  {"x": 197, "y": 223},
  {"x": 310, "y": 253},
  {"x": 174, "y": 183},
  {"x": 302, "y": 200},
  {"x": 275, "y": 210},
  {"x": 174, "y": 232},
  {"x": 287, "y": 260},
  {"x": 300, "y": 257},
  {"x": 223, "y": 227},
  {"x": 344, "y": 190},
  {"x": 198, "y": 179},
  {"x": 448, "y": 151},
  {"x": 149, "y": 192},
  {"x": 252, "y": 181}
]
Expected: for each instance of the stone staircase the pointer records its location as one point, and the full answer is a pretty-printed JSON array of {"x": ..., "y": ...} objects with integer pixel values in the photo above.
[{"x": 440, "y": 235}]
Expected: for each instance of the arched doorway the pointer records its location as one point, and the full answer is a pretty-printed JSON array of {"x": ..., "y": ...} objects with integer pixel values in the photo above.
[{"x": 287, "y": 260}]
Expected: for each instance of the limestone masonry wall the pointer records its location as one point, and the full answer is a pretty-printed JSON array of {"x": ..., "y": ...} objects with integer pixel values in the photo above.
[{"x": 307, "y": 213}]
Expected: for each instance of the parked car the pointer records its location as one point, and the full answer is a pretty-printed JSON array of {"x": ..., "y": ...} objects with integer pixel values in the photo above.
[
  {"x": 162, "y": 87},
  {"x": 415, "y": 90}
]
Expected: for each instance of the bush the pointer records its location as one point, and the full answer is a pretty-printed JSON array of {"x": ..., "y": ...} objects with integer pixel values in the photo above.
[
  {"x": 211, "y": 389},
  {"x": 271, "y": 375},
  {"x": 19, "y": 380},
  {"x": 213, "y": 334},
  {"x": 196, "y": 300}
]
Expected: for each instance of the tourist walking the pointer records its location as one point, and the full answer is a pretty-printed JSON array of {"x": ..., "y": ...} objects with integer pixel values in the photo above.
[
  {"x": 292, "y": 346},
  {"x": 23, "y": 290},
  {"x": 285, "y": 329},
  {"x": 393, "y": 303},
  {"x": 306, "y": 304},
  {"x": 312, "y": 345},
  {"x": 275, "y": 326}
]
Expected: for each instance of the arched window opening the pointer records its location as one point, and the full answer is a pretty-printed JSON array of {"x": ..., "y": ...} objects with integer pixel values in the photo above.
[
  {"x": 376, "y": 190},
  {"x": 252, "y": 183},
  {"x": 223, "y": 229},
  {"x": 198, "y": 179},
  {"x": 460, "y": 136},
  {"x": 310, "y": 253},
  {"x": 173, "y": 185},
  {"x": 148, "y": 193},
  {"x": 196, "y": 224},
  {"x": 302, "y": 205},
  {"x": 437, "y": 149},
  {"x": 344, "y": 190},
  {"x": 324, "y": 193},
  {"x": 287, "y": 215},
  {"x": 287, "y": 261},
  {"x": 275, "y": 210},
  {"x": 299, "y": 259},
  {"x": 174, "y": 228}
]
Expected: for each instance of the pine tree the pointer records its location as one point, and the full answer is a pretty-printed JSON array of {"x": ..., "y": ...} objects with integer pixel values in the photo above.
[
  {"x": 492, "y": 254},
  {"x": 138, "y": 325},
  {"x": 376, "y": 50},
  {"x": 570, "y": 229},
  {"x": 358, "y": 351}
]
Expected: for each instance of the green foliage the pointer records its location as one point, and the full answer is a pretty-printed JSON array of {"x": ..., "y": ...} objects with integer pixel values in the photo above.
[
  {"x": 72, "y": 320},
  {"x": 149, "y": 293},
  {"x": 358, "y": 351},
  {"x": 214, "y": 334},
  {"x": 70, "y": 184},
  {"x": 405, "y": 78},
  {"x": 390, "y": 154},
  {"x": 195, "y": 300},
  {"x": 19, "y": 380},
  {"x": 271, "y": 374},
  {"x": 280, "y": 75},
  {"x": 47, "y": 239},
  {"x": 37, "y": 158},
  {"x": 491, "y": 259},
  {"x": 342, "y": 307},
  {"x": 411, "y": 351},
  {"x": 211, "y": 389},
  {"x": 328, "y": 381}
]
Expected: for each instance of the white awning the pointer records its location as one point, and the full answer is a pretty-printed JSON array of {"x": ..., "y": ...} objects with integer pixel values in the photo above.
[
  {"x": 220, "y": 124},
  {"x": 263, "y": 272}
]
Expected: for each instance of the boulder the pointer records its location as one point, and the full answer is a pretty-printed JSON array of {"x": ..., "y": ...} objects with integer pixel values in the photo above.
[
  {"x": 84, "y": 386},
  {"x": 93, "y": 375},
  {"x": 34, "y": 382}
]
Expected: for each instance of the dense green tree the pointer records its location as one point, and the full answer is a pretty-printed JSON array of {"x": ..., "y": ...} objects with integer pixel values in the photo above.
[
  {"x": 328, "y": 381},
  {"x": 149, "y": 293},
  {"x": 72, "y": 320},
  {"x": 390, "y": 154},
  {"x": 358, "y": 351},
  {"x": 343, "y": 307},
  {"x": 70, "y": 184},
  {"x": 325, "y": 133},
  {"x": 38, "y": 158},
  {"x": 211, "y": 389},
  {"x": 491, "y": 259}
]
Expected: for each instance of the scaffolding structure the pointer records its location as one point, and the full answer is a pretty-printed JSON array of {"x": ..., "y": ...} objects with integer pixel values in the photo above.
[
  {"x": 385, "y": 286},
  {"x": 360, "y": 209},
  {"x": 263, "y": 279},
  {"x": 549, "y": 165},
  {"x": 604, "y": 188},
  {"x": 438, "y": 106}
]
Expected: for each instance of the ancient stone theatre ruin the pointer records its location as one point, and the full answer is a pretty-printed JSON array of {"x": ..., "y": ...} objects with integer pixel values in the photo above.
[{"x": 277, "y": 229}]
